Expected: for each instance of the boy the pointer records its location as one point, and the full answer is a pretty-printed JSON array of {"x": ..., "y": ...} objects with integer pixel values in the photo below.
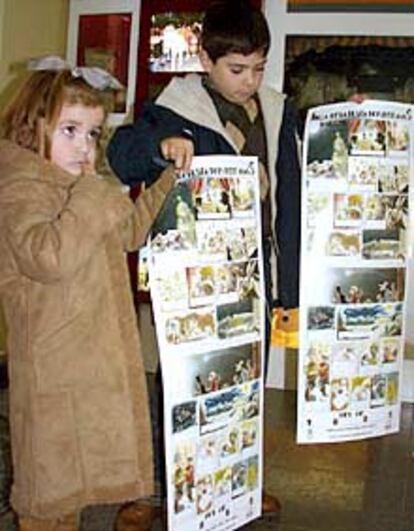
[{"x": 226, "y": 112}]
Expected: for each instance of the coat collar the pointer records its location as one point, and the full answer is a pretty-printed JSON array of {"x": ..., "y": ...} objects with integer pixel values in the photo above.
[
  {"x": 187, "y": 97},
  {"x": 29, "y": 165}
]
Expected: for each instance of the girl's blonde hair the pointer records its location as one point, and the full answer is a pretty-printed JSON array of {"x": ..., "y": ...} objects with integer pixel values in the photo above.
[{"x": 39, "y": 102}]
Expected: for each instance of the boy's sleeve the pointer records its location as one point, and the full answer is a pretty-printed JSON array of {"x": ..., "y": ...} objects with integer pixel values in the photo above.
[
  {"x": 134, "y": 150},
  {"x": 147, "y": 207},
  {"x": 49, "y": 244},
  {"x": 288, "y": 200}
]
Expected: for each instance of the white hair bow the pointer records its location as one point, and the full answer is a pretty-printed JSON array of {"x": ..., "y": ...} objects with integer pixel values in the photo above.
[{"x": 96, "y": 77}]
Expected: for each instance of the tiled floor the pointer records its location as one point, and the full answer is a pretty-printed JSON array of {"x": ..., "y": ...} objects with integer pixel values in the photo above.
[
  {"x": 356, "y": 486},
  {"x": 361, "y": 486}
]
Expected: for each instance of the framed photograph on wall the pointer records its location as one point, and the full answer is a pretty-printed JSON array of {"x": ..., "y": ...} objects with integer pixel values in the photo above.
[
  {"x": 103, "y": 41},
  {"x": 169, "y": 43},
  {"x": 105, "y": 34}
]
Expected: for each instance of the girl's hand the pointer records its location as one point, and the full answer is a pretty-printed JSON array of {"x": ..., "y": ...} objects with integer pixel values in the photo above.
[{"x": 88, "y": 168}]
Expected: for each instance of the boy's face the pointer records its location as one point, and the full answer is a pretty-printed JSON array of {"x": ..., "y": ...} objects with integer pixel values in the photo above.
[
  {"x": 75, "y": 137},
  {"x": 235, "y": 76}
]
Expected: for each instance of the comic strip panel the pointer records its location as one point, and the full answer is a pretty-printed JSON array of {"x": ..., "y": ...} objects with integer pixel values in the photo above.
[
  {"x": 211, "y": 198},
  {"x": 348, "y": 210},
  {"x": 221, "y": 283},
  {"x": 364, "y": 174},
  {"x": 367, "y": 137},
  {"x": 243, "y": 197},
  {"x": 217, "y": 370},
  {"x": 370, "y": 321},
  {"x": 318, "y": 209},
  {"x": 398, "y": 138},
  {"x": 317, "y": 372},
  {"x": 184, "y": 488},
  {"x": 356, "y": 285},
  {"x": 174, "y": 229},
  {"x": 222, "y": 198},
  {"x": 386, "y": 211},
  {"x": 193, "y": 325},
  {"x": 321, "y": 318},
  {"x": 170, "y": 285},
  {"x": 184, "y": 416},
  {"x": 238, "y": 403},
  {"x": 393, "y": 176},
  {"x": 383, "y": 245},
  {"x": 240, "y": 318},
  {"x": 327, "y": 159}
]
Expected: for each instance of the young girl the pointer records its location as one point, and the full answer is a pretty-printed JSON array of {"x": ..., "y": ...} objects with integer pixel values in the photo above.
[{"x": 79, "y": 419}]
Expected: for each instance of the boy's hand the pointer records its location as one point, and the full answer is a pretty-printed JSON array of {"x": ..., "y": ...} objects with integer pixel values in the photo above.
[{"x": 179, "y": 150}]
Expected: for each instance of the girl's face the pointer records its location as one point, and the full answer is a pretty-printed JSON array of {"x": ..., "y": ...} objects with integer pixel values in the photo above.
[{"x": 75, "y": 138}]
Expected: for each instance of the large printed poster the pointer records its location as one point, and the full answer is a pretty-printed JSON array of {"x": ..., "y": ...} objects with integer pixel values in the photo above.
[
  {"x": 206, "y": 281},
  {"x": 357, "y": 175}
]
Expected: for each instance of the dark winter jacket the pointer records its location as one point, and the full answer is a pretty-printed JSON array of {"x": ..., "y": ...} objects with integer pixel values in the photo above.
[{"x": 184, "y": 108}]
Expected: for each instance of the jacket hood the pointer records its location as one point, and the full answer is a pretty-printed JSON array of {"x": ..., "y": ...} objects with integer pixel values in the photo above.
[{"x": 187, "y": 98}]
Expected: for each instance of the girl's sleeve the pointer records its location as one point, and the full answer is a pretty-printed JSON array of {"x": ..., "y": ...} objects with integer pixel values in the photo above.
[
  {"x": 49, "y": 242},
  {"x": 147, "y": 207}
]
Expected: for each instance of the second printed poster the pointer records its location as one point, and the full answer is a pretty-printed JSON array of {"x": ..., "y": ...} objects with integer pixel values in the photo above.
[
  {"x": 355, "y": 230},
  {"x": 206, "y": 281}
]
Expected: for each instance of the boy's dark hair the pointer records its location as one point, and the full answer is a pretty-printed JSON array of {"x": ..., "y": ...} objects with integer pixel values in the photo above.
[{"x": 234, "y": 26}]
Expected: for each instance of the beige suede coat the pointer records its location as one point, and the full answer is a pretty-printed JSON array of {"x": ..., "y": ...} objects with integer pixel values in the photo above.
[{"x": 79, "y": 406}]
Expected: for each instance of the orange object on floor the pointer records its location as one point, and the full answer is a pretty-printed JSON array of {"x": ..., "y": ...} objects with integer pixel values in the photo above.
[
  {"x": 285, "y": 328},
  {"x": 270, "y": 505},
  {"x": 135, "y": 516}
]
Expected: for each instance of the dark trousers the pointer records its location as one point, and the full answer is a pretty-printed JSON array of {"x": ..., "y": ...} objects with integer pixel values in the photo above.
[
  {"x": 157, "y": 424},
  {"x": 8, "y": 519},
  {"x": 269, "y": 302}
]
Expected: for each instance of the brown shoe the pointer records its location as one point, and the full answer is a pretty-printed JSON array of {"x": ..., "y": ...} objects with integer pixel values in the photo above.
[
  {"x": 134, "y": 516},
  {"x": 270, "y": 505}
]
